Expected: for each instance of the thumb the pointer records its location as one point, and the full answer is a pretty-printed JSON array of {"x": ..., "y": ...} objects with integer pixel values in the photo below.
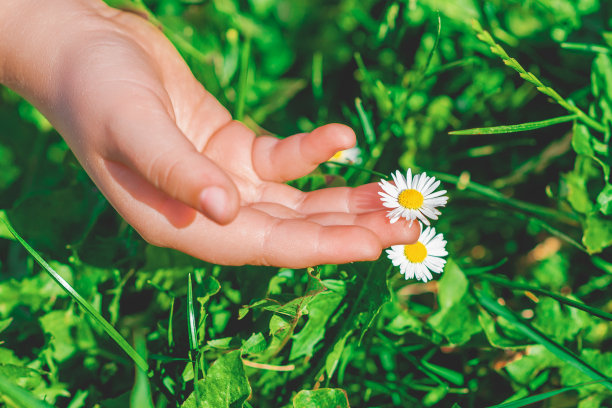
[{"x": 167, "y": 159}]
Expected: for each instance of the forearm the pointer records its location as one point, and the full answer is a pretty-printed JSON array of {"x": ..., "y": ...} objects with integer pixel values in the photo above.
[{"x": 34, "y": 36}]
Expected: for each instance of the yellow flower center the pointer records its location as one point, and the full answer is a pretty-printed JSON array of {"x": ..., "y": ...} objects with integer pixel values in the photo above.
[
  {"x": 337, "y": 156},
  {"x": 415, "y": 253},
  {"x": 411, "y": 199}
]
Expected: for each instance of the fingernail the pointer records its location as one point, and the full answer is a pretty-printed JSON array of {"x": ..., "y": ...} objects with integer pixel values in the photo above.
[{"x": 213, "y": 203}]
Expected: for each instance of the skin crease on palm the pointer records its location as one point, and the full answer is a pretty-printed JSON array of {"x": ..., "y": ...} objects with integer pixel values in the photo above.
[{"x": 169, "y": 157}]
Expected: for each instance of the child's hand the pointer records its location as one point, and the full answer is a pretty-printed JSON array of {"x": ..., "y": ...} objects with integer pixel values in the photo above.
[{"x": 169, "y": 157}]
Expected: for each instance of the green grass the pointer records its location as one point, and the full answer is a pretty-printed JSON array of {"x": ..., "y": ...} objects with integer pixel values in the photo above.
[{"x": 509, "y": 104}]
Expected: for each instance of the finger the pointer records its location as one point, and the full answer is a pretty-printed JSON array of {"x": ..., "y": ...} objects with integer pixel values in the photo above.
[
  {"x": 257, "y": 238},
  {"x": 357, "y": 200},
  {"x": 401, "y": 232},
  {"x": 148, "y": 141},
  {"x": 287, "y": 159}
]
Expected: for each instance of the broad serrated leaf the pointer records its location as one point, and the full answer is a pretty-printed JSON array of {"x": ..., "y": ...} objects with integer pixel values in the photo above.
[
  {"x": 319, "y": 310},
  {"x": 321, "y": 398},
  {"x": 601, "y": 81},
  {"x": 225, "y": 384},
  {"x": 558, "y": 322},
  {"x": 500, "y": 333},
  {"x": 254, "y": 344},
  {"x": 18, "y": 396},
  {"x": 597, "y": 234},
  {"x": 529, "y": 364},
  {"x": 604, "y": 200},
  {"x": 598, "y": 359},
  {"x": 457, "y": 318}
]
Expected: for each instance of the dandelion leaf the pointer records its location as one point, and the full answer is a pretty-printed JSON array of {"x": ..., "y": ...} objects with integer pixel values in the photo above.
[
  {"x": 319, "y": 310},
  {"x": 225, "y": 385},
  {"x": 604, "y": 200},
  {"x": 597, "y": 234},
  {"x": 457, "y": 318},
  {"x": 321, "y": 398}
]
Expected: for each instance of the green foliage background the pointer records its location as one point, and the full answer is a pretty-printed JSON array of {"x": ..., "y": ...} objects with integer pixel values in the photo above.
[{"x": 522, "y": 312}]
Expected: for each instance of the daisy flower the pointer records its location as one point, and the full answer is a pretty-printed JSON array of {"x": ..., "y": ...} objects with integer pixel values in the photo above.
[
  {"x": 349, "y": 156},
  {"x": 420, "y": 259},
  {"x": 412, "y": 197}
]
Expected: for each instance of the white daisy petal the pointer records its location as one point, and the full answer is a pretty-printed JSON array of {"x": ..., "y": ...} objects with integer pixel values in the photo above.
[
  {"x": 422, "y": 259},
  {"x": 412, "y": 196}
]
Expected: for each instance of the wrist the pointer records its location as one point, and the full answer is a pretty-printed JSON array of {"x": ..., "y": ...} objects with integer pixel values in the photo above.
[{"x": 35, "y": 35}]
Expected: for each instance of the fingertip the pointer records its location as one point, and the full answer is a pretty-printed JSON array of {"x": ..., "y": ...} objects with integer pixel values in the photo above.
[
  {"x": 343, "y": 136},
  {"x": 218, "y": 205}
]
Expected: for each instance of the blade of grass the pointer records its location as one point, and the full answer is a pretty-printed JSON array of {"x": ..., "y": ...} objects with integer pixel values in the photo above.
[
  {"x": 497, "y": 49},
  {"x": 193, "y": 343},
  {"x": 245, "y": 54},
  {"x": 87, "y": 307},
  {"x": 170, "y": 329},
  {"x": 21, "y": 397},
  {"x": 520, "y": 286},
  {"x": 559, "y": 234},
  {"x": 496, "y": 196},
  {"x": 522, "y": 127},
  {"x": 535, "y": 335},
  {"x": 368, "y": 130},
  {"x": 317, "y": 75},
  {"x": 435, "y": 46},
  {"x": 539, "y": 397},
  {"x": 599, "y": 49},
  {"x": 141, "y": 397},
  {"x": 484, "y": 269}
]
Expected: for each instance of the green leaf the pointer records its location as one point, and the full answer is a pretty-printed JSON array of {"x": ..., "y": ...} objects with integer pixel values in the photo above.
[
  {"x": 225, "y": 385},
  {"x": 457, "y": 318},
  {"x": 500, "y": 333},
  {"x": 255, "y": 344},
  {"x": 535, "y": 335},
  {"x": 526, "y": 368},
  {"x": 571, "y": 375},
  {"x": 597, "y": 234},
  {"x": 9, "y": 172},
  {"x": 373, "y": 294},
  {"x": 332, "y": 359},
  {"x": 538, "y": 291},
  {"x": 601, "y": 81},
  {"x": 319, "y": 311},
  {"x": 364, "y": 117},
  {"x": 514, "y": 128},
  {"x": 59, "y": 325},
  {"x": 582, "y": 141},
  {"x": 321, "y": 398},
  {"x": 20, "y": 397},
  {"x": 578, "y": 195},
  {"x": 4, "y": 231},
  {"x": 449, "y": 375},
  {"x": 4, "y": 324},
  {"x": 140, "y": 396},
  {"x": 604, "y": 200},
  {"x": 557, "y": 323},
  {"x": 532, "y": 399},
  {"x": 52, "y": 219},
  {"x": 85, "y": 305}
]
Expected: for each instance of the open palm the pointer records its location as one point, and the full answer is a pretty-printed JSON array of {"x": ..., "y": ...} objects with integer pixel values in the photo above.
[{"x": 176, "y": 166}]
